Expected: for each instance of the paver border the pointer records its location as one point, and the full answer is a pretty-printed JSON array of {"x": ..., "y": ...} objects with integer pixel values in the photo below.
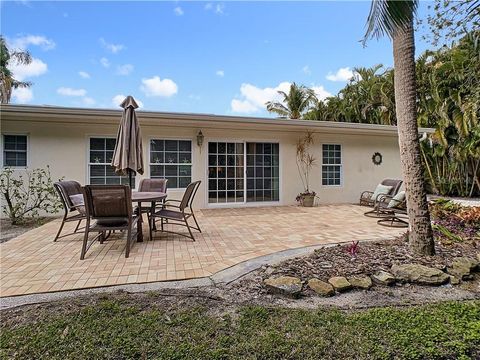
[{"x": 221, "y": 277}]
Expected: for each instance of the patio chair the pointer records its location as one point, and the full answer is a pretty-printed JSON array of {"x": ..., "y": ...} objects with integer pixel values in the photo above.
[
  {"x": 110, "y": 206},
  {"x": 74, "y": 211},
  {"x": 176, "y": 214},
  {"x": 392, "y": 210},
  {"x": 367, "y": 198},
  {"x": 156, "y": 185}
]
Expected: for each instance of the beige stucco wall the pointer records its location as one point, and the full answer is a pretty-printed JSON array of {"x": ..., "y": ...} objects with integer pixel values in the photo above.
[{"x": 63, "y": 145}]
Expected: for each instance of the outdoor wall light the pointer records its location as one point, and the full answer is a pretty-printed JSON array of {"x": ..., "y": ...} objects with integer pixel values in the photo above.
[{"x": 200, "y": 138}]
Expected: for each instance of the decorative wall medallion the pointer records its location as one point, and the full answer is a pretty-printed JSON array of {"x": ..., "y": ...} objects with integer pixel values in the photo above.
[{"x": 377, "y": 158}]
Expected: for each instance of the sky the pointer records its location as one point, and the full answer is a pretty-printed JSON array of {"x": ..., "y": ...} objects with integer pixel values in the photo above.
[{"x": 195, "y": 57}]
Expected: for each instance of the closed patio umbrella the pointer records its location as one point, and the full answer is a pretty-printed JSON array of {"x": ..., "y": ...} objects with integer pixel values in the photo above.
[{"x": 128, "y": 155}]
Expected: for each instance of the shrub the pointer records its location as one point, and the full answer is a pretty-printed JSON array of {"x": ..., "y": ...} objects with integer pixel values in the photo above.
[{"x": 27, "y": 194}]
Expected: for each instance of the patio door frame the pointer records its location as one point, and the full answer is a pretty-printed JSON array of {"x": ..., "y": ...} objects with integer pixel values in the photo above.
[{"x": 245, "y": 203}]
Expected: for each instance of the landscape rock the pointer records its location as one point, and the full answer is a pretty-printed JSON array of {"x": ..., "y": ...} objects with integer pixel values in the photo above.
[
  {"x": 340, "y": 283},
  {"x": 462, "y": 267},
  {"x": 462, "y": 273},
  {"x": 286, "y": 285},
  {"x": 360, "y": 282},
  {"x": 454, "y": 280},
  {"x": 419, "y": 274},
  {"x": 321, "y": 287},
  {"x": 466, "y": 262},
  {"x": 383, "y": 278}
]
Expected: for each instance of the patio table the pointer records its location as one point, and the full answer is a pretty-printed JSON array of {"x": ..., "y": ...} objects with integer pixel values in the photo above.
[
  {"x": 146, "y": 196},
  {"x": 137, "y": 197}
]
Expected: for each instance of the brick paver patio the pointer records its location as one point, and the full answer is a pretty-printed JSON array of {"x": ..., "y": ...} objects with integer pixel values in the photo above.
[{"x": 33, "y": 263}]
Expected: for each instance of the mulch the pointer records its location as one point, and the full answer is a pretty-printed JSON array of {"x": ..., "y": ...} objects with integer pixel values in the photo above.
[{"x": 371, "y": 257}]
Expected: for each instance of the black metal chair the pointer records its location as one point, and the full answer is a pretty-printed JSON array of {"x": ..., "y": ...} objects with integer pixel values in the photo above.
[
  {"x": 110, "y": 206},
  {"x": 73, "y": 211},
  {"x": 394, "y": 213},
  {"x": 176, "y": 214}
]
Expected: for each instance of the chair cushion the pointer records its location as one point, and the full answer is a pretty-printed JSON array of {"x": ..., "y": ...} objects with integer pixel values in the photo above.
[
  {"x": 381, "y": 190},
  {"x": 397, "y": 199},
  {"x": 78, "y": 202}
]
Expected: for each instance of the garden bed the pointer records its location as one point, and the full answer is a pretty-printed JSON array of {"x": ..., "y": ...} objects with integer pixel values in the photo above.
[{"x": 9, "y": 231}]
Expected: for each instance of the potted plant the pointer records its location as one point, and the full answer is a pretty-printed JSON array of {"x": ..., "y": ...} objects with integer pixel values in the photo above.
[{"x": 305, "y": 162}]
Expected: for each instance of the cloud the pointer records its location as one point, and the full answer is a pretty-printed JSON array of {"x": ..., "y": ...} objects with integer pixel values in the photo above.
[
  {"x": 320, "y": 92},
  {"x": 118, "y": 99},
  {"x": 156, "y": 87},
  {"x": 84, "y": 74},
  {"x": 342, "y": 74},
  {"x": 124, "y": 69},
  {"x": 220, "y": 73},
  {"x": 113, "y": 48},
  {"x": 253, "y": 99},
  {"x": 66, "y": 91},
  {"x": 178, "y": 11},
  {"x": 105, "y": 63},
  {"x": 24, "y": 42},
  {"x": 306, "y": 70},
  {"x": 21, "y": 71},
  {"x": 22, "y": 95},
  {"x": 216, "y": 8}
]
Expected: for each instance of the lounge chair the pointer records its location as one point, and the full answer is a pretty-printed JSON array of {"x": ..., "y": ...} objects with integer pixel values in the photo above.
[
  {"x": 110, "y": 207},
  {"x": 176, "y": 214},
  {"x": 394, "y": 213},
  {"x": 148, "y": 185},
  {"x": 74, "y": 211},
  {"x": 367, "y": 198}
]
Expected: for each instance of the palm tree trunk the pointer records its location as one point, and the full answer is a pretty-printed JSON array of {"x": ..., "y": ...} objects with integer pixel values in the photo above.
[{"x": 420, "y": 237}]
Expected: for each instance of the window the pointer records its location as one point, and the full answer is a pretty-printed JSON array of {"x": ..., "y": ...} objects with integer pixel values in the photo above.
[
  {"x": 331, "y": 165},
  {"x": 15, "y": 150},
  {"x": 172, "y": 160},
  {"x": 100, "y": 168}
]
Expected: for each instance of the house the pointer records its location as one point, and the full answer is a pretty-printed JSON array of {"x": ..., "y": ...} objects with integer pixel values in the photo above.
[{"x": 242, "y": 161}]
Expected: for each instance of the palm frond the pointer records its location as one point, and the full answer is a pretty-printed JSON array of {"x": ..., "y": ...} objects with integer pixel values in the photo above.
[{"x": 386, "y": 16}]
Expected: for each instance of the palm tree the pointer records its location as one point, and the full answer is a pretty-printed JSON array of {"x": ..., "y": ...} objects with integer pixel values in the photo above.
[
  {"x": 395, "y": 19},
  {"x": 294, "y": 104},
  {"x": 7, "y": 82}
]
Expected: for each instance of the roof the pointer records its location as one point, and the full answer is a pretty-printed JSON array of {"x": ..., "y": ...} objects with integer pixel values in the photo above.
[{"x": 57, "y": 114}]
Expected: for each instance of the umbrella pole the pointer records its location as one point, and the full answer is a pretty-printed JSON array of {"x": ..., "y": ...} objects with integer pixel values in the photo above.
[{"x": 130, "y": 178}]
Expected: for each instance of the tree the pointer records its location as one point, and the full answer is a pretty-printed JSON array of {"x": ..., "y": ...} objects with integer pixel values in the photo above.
[
  {"x": 7, "y": 82},
  {"x": 295, "y": 104},
  {"x": 395, "y": 19},
  {"x": 451, "y": 19}
]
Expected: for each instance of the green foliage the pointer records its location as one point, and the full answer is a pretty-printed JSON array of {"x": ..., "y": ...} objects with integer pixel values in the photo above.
[
  {"x": 387, "y": 16},
  {"x": 121, "y": 329},
  {"x": 449, "y": 20},
  {"x": 448, "y": 99},
  {"x": 7, "y": 82},
  {"x": 26, "y": 194},
  {"x": 295, "y": 104}
]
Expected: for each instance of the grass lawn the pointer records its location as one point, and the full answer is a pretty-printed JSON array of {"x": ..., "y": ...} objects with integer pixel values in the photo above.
[{"x": 118, "y": 328}]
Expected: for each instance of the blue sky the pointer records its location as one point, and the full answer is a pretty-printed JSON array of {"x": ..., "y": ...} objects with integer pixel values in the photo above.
[{"x": 206, "y": 57}]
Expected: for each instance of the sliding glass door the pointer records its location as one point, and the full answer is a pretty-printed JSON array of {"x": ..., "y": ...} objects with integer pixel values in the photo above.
[{"x": 229, "y": 163}]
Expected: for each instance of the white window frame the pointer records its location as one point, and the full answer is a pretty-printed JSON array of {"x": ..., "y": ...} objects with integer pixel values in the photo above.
[
  {"x": 88, "y": 155},
  {"x": 192, "y": 152},
  {"x": 27, "y": 151},
  {"x": 338, "y": 165}
]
